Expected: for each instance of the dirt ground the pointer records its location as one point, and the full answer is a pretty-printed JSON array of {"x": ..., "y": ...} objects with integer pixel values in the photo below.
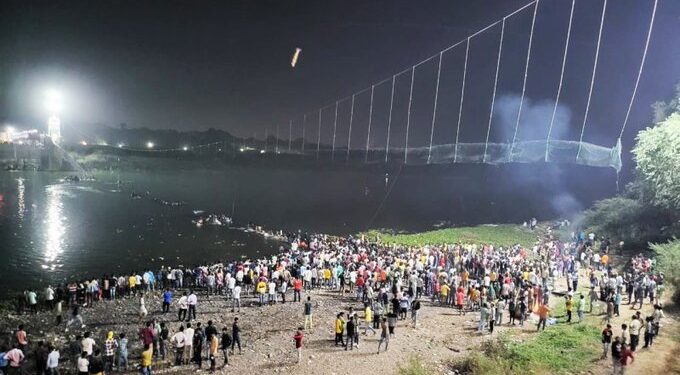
[{"x": 441, "y": 336}]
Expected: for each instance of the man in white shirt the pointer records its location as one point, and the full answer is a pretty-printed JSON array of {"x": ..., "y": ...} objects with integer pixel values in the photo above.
[
  {"x": 272, "y": 292},
  {"x": 192, "y": 300},
  {"x": 87, "y": 343},
  {"x": 178, "y": 340},
  {"x": 236, "y": 301},
  {"x": 53, "y": 361},
  {"x": 183, "y": 305},
  {"x": 49, "y": 297},
  {"x": 188, "y": 343}
]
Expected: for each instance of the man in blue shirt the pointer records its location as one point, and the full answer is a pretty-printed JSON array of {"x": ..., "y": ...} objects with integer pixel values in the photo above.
[{"x": 167, "y": 298}]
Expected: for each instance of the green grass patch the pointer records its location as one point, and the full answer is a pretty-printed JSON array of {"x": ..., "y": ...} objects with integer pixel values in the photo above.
[
  {"x": 505, "y": 235},
  {"x": 561, "y": 349},
  {"x": 414, "y": 366}
]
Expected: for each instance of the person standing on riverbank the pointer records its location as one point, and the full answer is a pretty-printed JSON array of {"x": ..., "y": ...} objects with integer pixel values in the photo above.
[
  {"x": 192, "y": 300},
  {"x": 308, "y": 313},
  {"x": 52, "y": 361},
  {"x": 339, "y": 329},
  {"x": 384, "y": 335},
  {"x": 224, "y": 346},
  {"x": 167, "y": 299},
  {"x": 236, "y": 336},
  {"x": 178, "y": 340},
  {"x": 298, "y": 338},
  {"x": 122, "y": 352},
  {"x": 188, "y": 343},
  {"x": 182, "y": 307}
]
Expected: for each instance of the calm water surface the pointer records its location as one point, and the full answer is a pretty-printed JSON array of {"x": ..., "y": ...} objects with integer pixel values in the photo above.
[{"x": 51, "y": 231}]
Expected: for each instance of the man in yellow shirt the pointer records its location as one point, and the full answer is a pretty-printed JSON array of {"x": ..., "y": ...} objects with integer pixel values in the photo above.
[
  {"x": 132, "y": 281},
  {"x": 445, "y": 289},
  {"x": 339, "y": 329},
  {"x": 147, "y": 356},
  {"x": 368, "y": 318},
  {"x": 570, "y": 307},
  {"x": 261, "y": 290}
]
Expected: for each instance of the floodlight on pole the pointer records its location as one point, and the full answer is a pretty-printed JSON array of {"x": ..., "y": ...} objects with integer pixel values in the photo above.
[
  {"x": 53, "y": 101},
  {"x": 53, "y": 104}
]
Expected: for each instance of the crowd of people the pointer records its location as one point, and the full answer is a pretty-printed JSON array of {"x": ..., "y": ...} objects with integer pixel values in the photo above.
[{"x": 386, "y": 283}]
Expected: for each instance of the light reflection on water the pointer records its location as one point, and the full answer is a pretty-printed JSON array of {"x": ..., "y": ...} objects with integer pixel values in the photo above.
[
  {"x": 21, "y": 200},
  {"x": 56, "y": 225}
]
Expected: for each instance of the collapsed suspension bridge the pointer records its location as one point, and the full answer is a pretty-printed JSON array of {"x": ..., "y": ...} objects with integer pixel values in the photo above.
[{"x": 512, "y": 150}]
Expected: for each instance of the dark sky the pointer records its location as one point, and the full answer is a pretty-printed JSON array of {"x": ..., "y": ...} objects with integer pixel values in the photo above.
[{"x": 225, "y": 64}]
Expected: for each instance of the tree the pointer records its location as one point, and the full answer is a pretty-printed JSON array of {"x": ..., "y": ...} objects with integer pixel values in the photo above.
[{"x": 657, "y": 155}]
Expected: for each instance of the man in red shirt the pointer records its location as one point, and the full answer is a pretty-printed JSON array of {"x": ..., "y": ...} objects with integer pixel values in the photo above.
[
  {"x": 625, "y": 354},
  {"x": 299, "y": 336},
  {"x": 297, "y": 287}
]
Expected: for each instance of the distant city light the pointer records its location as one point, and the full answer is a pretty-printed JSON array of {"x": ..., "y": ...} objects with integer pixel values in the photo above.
[
  {"x": 262, "y": 151},
  {"x": 10, "y": 129},
  {"x": 21, "y": 142},
  {"x": 242, "y": 149},
  {"x": 83, "y": 143},
  {"x": 120, "y": 145},
  {"x": 149, "y": 145},
  {"x": 185, "y": 148}
]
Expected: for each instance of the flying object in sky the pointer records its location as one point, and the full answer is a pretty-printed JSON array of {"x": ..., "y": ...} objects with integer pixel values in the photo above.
[{"x": 296, "y": 55}]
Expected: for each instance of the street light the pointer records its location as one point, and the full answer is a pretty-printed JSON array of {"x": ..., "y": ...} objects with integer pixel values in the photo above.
[
  {"x": 149, "y": 145},
  {"x": 185, "y": 148}
]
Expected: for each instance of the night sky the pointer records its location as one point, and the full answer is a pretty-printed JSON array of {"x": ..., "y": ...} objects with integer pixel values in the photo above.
[{"x": 193, "y": 65}]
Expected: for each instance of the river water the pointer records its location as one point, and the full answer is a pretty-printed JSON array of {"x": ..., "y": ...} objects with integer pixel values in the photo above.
[{"x": 52, "y": 231}]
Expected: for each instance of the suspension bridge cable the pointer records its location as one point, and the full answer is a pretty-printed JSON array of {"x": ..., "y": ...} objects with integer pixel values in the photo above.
[
  {"x": 524, "y": 83},
  {"x": 349, "y": 136},
  {"x": 642, "y": 64},
  {"x": 318, "y": 137},
  {"x": 304, "y": 122},
  {"x": 370, "y": 119},
  {"x": 408, "y": 113},
  {"x": 434, "y": 109},
  {"x": 465, "y": 40},
  {"x": 290, "y": 134},
  {"x": 335, "y": 128},
  {"x": 495, "y": 85},
  {"x": 389, "y": 121},
  {"x": 592, "y": 80},
  {"x": 559, "y": 86},
  {"x": 462, "y": 97}
]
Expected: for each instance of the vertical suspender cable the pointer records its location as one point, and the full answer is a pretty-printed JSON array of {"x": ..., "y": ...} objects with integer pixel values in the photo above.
[
  {"x": 304, "y": 122},
  {"x": 642, "y": 64},
  {"x": 524, "y": 83},
  {"x": 349, "y": 136},
  {"x": 408, "y": 113},
  {"x": 462, "y": 97},
  {"x": 370, "y": 119},
  {"x": 495, "y": 85},
  {"x": 318, "y": 137},
  {"x": 434, "y": 109},
  {"x": 389, "y": 121},
  {"x": 592, "y": 80},
  {"x": 335, "y": 127},
  {"x": 290, "y": 135},
  {"x": 559, "y": 86}
]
